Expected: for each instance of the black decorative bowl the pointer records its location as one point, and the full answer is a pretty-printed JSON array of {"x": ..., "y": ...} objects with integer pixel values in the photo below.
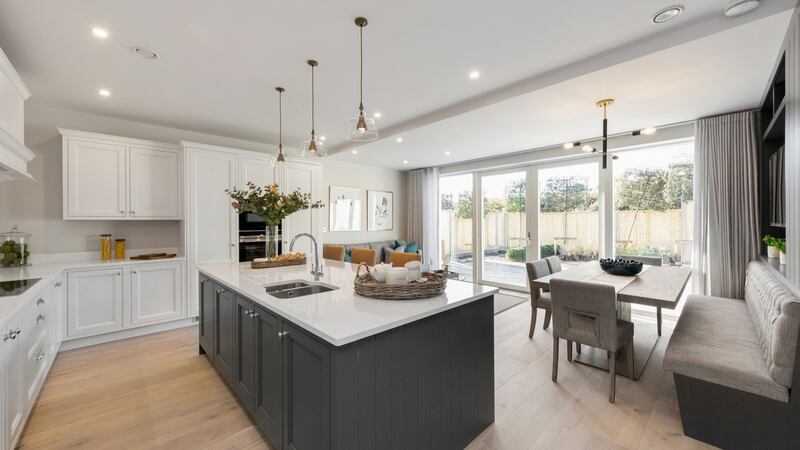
[{"x": 626, "y": 267}]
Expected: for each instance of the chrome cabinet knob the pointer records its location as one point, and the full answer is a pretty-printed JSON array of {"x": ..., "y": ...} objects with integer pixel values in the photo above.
[
  {"x": 59, "y": 284},
  {"x": 282, "y": 333},
  {"x": 17, "y": 332},
  {"x": 40, "y": 302},
  {"x": 40, "y": 319},
  {"x": 122, "y": 211},
  {"x": 133, "y": 212},
  {"x": 255, "y": 314},
  {"x": 40, "y": 356}
]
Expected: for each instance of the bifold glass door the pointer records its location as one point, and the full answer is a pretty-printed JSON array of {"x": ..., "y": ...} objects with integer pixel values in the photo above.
[
  {"x": 568, "y": 219},
  {"x": 504, "y": 233}
]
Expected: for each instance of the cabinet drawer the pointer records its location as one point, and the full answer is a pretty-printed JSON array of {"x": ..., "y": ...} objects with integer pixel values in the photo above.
[{"x": 33, "y": 364}]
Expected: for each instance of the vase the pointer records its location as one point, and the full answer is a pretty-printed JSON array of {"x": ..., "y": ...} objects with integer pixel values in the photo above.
[
  {"x": 772, "y": 252},
  {"x": 783, "y": 258},
  {"x": 272, "y": 241}
]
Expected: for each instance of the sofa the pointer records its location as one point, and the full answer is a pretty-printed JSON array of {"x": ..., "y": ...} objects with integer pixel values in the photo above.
[
  {"x": 379, "y": 247},
  {"x": 734, "y": 360}
]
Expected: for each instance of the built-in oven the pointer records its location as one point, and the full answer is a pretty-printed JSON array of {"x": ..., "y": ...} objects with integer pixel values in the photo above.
[{"x": 253, "y": 237}]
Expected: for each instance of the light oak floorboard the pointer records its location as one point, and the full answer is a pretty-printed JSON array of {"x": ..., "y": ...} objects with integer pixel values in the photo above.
[{"x": 156, "y": 392}]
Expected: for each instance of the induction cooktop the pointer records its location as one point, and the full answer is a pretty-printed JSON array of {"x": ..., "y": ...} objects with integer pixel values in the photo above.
[{"x": 16, "y": 287}]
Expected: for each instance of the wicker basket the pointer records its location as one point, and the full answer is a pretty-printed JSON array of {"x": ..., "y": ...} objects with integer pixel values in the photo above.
[
  {"x": 271, "y": 264},
  {"x": 366, "y": 285}
]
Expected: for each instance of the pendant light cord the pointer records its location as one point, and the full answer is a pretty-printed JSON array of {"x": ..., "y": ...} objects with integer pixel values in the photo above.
[
  {"x": 361, "y": 74},
  {"x": 280, "y": 121},
  {"x": 312, "y": 102}
]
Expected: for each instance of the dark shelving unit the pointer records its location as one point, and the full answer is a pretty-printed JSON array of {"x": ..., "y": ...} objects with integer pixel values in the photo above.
[{"x": 773, "y": 126}]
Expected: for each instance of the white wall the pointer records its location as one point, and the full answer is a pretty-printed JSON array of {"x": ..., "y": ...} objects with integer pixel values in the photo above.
[
  {"x": 36, "y": 207},
  {"x": 345, "y": 174}
]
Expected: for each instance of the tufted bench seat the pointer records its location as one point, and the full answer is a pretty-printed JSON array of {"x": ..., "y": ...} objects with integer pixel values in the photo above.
[{"x": 733, "y": 361}]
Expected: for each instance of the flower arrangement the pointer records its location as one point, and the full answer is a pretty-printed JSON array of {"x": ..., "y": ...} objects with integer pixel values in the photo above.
[{"x": 268, "y": 203}]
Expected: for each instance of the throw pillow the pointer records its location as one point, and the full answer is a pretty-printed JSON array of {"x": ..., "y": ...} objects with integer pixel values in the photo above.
[
  {"x": 387, "y": 253},
  {"x": 348, "y": 256},
  {"x": 400, "y": 243},
  {"x": 411, "y": 248}
]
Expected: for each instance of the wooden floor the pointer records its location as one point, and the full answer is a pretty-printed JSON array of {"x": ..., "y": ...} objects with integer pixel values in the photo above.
[{"x": 157, "y": 392}]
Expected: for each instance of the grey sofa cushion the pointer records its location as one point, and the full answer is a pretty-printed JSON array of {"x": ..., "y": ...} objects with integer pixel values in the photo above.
[
  {"x": 387, "y": 253},
  {"x": 715, "y": 340},
  {"x": 776, "y": 315}
]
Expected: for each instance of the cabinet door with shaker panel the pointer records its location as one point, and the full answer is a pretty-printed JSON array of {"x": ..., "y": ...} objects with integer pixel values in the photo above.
[
  {"x": 156, "y": 292},
  {"x": 94, "y": 302}
]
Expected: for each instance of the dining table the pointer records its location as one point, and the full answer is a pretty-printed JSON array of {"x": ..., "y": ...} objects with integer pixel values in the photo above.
[{"x": 654, "y": 286}]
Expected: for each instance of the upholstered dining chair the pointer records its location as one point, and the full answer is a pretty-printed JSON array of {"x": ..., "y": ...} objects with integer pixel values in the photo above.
[
  {"x": 334, "y": 252},
  {"x": 554, "y": 263},
  {"x": 650, "y": 261},
  {"x": 587, "y": 313},
  {"x": 359, "y": 255},
  {"x": 399, "y": 259},
  {"x": 540, "y": 298}
]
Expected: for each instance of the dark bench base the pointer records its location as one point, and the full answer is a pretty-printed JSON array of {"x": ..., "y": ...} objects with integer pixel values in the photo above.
[{"x": 732, "y": 419}]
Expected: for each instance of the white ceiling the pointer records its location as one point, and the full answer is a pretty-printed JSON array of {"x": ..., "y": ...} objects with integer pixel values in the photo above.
[{"x": 542, "y": 66}]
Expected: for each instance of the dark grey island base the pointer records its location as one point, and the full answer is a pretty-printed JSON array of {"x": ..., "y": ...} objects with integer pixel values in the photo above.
[{"x": 428, "y": 384}]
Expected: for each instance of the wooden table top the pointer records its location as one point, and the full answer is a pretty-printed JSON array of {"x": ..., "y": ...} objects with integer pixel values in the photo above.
[{"x": 660, "y": 286}]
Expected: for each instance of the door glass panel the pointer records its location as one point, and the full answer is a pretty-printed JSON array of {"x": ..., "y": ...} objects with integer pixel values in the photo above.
[
  {"x": 569, "y": 220},
  {"x": 455, "y": 224},
  {"x": 504, "y": 226},
  {"x": 653, "y": 202}
]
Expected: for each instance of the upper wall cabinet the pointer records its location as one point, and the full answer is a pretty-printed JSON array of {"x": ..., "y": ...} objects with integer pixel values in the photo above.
[
  {"x": 113, "y": 178},
  {"x": 14, "y": 156}
]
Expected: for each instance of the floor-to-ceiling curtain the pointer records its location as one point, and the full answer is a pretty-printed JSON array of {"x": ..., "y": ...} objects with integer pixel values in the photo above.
[
  {"x": 726, "y": 230},
  {"x": 423, "y": 212}
]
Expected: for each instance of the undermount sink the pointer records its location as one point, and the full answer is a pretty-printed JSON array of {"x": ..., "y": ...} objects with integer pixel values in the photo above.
[{"x": 294, "y": 289}]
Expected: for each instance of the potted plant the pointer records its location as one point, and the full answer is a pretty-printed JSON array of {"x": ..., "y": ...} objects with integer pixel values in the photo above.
[
  {"x": 772, "y": 246},
  {"x": 268, "y": 203},
  {"x": 781, "y": 244}
]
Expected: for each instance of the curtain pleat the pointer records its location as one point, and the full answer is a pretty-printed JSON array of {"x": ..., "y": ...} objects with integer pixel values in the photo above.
[
  {"x": 726, "y": 203},
  {"x": 423, "y": 212}
]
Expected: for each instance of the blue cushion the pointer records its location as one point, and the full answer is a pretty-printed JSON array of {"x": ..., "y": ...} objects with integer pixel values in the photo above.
[
  {"x": 348, "y": 257},
  {"x": 411, "y": 247}
]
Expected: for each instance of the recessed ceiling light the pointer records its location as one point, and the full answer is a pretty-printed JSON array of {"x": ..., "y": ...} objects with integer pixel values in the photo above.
[
  {"x": 376, "y": 115},
  {"x": 648, "y": 130},
  {"x": 474, "y": 75},
  {"x": 104, "y": 92},
  {"x": 99, "y": 33},
  {"x": 322, "y": 138},
  {"x": 447, "y": 153},
  {"x": 587, "y": 148},
  {"x": 355, "y": 152},
  {"x": 405, "y": 161},
  {"x": 739, "y": 7},
  {"x": 667, "y": 14},
  {"x": 145, "y": 53},
  {"x": 399, "y": 139},
  {"x": 568, "y": 145}
]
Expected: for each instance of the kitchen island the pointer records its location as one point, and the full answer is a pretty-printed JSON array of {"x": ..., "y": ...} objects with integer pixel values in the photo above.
[{"x": 334, "y": 370}]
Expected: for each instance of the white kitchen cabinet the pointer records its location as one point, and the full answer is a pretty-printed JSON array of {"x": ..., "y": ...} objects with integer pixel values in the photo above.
[
  {"x": 94, "y": 302},
  {"x": 10, "y": 384},
  {"x": 156, "y": 293},
  {"x": 212, "y": 225},
  {"x": 114, "y": 178},
  {"x": 307, "y": 177},
  {"x": 94, "y": 179},
  {"x": 154, "y": 178},
  {"x": 256, "y": 169}
]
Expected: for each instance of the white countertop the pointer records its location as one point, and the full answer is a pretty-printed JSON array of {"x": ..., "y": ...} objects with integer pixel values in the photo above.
[
  {"x": 339, "y": 316},
  {"x": 48, "y": 272}
]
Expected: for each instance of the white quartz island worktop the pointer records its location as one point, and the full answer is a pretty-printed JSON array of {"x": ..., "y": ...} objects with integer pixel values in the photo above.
[{"x": 339, "y": 316}]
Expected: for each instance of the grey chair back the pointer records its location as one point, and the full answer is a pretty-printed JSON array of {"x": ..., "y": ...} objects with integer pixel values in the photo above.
[
  {"x": 554, "y": 262},
  {"x": 585, "y": 313},
  {"x": 536, "y": 270},
  {"x": 649, "y": 260}
]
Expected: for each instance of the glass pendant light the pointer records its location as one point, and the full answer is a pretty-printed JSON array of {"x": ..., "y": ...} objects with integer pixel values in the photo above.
[
  {"x": 362, "y": 128},
  {"x": 313, "y": 146},
  {"x": 279, "y": 158}
]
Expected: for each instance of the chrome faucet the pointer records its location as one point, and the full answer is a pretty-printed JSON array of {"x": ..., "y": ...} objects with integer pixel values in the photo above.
[{"x": 316, "y": 270}]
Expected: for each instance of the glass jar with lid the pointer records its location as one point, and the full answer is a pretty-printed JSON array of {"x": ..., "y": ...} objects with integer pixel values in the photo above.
[{"x": 14, "y": 248}]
